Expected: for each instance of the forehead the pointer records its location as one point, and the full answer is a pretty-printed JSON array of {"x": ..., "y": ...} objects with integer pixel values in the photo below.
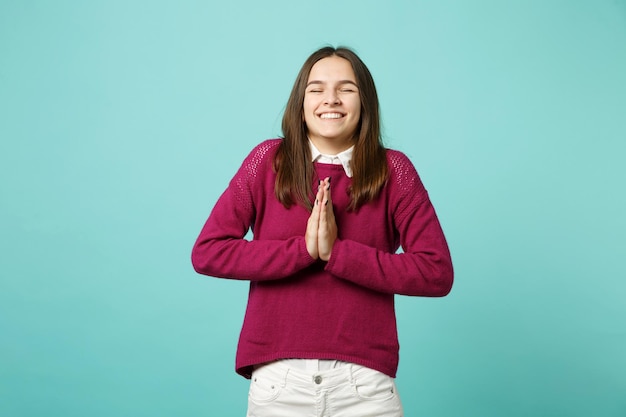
[{"x": 332, "y": 68}]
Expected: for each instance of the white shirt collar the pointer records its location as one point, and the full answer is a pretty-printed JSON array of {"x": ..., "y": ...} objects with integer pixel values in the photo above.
[{"x": 342, "y": 158}]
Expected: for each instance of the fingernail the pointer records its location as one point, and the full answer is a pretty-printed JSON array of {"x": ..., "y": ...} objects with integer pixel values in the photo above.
[
  {"x": 329, "y": 178},
  {"x": 326, "y": 203}
]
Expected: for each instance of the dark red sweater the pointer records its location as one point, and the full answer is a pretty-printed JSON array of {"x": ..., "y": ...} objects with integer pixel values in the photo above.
[{"x": 303, "y": 308}]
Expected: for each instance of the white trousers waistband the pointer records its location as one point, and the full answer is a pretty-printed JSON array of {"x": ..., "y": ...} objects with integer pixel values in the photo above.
[{"x": 349, "y": 390}]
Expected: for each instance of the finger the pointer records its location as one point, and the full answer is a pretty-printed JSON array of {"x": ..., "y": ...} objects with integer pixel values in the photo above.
[
  {"x": 327, "y": 215},
  {"x": 323, "y": 209},
  {"x": 327, "y": 232},
  {"x": 326, "y": 189},
  {"x": 312, "y": 231}
]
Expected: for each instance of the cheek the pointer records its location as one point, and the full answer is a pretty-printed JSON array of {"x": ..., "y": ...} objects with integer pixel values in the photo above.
[
  {"x": 357, "y": 113},
  {"x": 356, "y": 108},
  {"x": 306, "y": 109}
]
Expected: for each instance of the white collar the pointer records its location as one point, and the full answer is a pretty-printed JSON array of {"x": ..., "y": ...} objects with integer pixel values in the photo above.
[{"x": 342, "y": 158}]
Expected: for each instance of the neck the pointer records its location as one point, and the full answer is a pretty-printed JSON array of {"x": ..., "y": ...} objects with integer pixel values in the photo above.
[{"x": 331, "y": 147}]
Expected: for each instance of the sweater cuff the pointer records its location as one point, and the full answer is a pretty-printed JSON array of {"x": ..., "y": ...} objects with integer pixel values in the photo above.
[
  {"x": 304, "y": 253},
  {"x": 334, "y": 254}
]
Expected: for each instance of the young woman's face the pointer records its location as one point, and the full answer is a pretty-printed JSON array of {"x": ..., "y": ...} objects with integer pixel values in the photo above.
[{"x": 332, "y": 106}]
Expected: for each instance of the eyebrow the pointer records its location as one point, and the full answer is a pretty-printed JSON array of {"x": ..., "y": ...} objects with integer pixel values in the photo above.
[{"x": 340, "y": 82}]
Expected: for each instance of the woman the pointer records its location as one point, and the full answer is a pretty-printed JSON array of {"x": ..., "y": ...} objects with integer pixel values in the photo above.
[{"x": 329, "y": 207}]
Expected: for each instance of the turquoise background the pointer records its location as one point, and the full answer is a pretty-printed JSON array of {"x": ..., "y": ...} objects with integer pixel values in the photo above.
[{"x": 121, "y": 123}]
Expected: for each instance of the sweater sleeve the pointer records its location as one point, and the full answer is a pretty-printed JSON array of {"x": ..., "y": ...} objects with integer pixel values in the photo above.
[
  {"x": 221, "y": 249},
  {"x": 424, "y": 268}
]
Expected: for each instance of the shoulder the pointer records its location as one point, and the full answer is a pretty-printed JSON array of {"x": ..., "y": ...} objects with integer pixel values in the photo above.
[
  {"x": 265, "y": 149},
  {"x": 258, "y": 163},
  {"x": 261, "y": 155},
  {"x": 400, "y": 166},
  {"x": 397, "y": 159},
  {"x": 402, "y": 173}
]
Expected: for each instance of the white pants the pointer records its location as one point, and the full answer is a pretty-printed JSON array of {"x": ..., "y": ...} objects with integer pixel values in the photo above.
[{"x": 279, "y": 389}]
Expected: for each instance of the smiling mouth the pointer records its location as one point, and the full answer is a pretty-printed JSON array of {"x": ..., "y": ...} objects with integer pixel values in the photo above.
[{"x": 331, "y": 116}]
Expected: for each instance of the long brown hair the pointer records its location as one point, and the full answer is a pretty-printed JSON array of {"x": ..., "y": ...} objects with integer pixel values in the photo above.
[{"x": 294, "y": 169}]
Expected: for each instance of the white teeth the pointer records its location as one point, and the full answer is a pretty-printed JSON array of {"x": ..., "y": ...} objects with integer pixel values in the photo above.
[{"x": 330, "y": 115}]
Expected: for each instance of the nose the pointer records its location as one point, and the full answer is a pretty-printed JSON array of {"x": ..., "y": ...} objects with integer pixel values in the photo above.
[{"x": 331, "y": 97}]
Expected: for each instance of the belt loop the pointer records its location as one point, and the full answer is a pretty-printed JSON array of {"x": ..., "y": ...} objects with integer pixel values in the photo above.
[
  {"x": 285, "y": 377},
  {"x": 351, "y": 373}
]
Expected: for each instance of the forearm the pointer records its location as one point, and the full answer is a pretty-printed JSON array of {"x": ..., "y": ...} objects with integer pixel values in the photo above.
[
  {"x": 256, "y": 260},
  {"x": 422, "y": 273}
]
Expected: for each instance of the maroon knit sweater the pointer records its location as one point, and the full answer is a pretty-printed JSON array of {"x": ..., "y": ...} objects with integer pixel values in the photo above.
[{"x": 342, "y": 309}]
